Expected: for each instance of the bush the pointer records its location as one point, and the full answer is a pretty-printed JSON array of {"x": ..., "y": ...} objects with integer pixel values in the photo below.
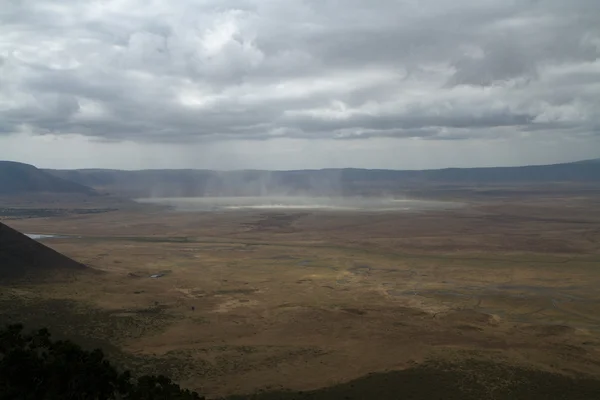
[{"x": 33, "y": 367}]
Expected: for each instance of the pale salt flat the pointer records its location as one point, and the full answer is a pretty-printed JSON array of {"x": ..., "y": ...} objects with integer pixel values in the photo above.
[{"x": 371, "y": 204}]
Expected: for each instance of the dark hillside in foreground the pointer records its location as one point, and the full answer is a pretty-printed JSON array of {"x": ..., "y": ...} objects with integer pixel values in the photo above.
[
  {"x": 326, "y": 182},
  {"x": 463, "y": 380},
  {"x": 18, "y": 179},
  {"x": 22, "y": 258}
]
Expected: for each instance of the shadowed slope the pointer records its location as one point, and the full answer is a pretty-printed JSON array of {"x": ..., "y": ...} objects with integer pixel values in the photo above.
[
  {"x": 22, "y": 258},
  {"x": 461, "y": 380}
]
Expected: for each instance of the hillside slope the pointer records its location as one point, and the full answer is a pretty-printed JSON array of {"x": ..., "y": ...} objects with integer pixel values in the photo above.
[
  {"x": 22, "y": 258},
  {"x": 191, "y": 183},
  {"x": 18, "y": 178}
]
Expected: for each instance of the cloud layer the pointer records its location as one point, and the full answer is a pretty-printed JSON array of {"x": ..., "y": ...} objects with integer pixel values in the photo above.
[{"x": 189, "y": 71}]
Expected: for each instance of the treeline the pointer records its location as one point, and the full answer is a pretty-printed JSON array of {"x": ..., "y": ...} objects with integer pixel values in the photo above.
[{"x": 35, "y": 367}]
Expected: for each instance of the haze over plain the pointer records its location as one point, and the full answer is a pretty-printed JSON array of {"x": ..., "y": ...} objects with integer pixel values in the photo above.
[{"x": 237, "y": 84}]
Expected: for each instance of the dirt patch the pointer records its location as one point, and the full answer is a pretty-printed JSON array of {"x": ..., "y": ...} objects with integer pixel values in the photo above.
[
  {"x": 274, "y": 222},
  {"x": 469, "y": 317},
  {"x": 550, "y": 330},
  {"x": 354, "y": 311},
  {"x": 235, "y": 291},
  {"x": 233, "y": 304}
]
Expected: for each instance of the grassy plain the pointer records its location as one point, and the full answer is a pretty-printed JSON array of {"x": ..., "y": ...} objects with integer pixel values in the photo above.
[{"x": 294, "y": 300}]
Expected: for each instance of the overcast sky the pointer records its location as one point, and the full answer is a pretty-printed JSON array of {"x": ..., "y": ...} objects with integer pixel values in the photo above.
[{"x": 284, "y": 84}]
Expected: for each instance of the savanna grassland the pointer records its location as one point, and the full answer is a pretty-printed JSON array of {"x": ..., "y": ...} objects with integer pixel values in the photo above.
[{"x": 303, "y": 300}]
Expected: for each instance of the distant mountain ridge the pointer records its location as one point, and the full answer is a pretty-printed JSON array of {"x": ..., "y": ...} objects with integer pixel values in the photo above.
[
  {"x": 18, "y": 178},
  {"x": 592, "y": 161},
  {"x": 341, "y": 182}
]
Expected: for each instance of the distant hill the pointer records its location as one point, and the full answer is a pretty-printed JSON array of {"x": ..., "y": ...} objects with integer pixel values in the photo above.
[
  {"x": 594, "y": 161},
  {"x": 191, "y": 183},
  {"x": 143, "y": 183},
  {"x": 17, "y": 178},
  {"x": 22, "y": 258}
]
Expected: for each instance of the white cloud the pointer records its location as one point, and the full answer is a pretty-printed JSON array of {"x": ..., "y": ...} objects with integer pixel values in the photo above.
[{"x": 233, "y": 75}]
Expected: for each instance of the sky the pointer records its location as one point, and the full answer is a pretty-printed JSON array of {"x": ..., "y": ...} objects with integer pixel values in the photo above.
[{"x": 292, "y": 84}]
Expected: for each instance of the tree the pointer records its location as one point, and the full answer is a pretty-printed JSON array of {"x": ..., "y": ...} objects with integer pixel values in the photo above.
[{"x": 34, "y": 367}]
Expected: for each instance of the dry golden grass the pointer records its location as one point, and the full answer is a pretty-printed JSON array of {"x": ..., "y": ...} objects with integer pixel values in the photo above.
[{"x": 306, "y": 300}]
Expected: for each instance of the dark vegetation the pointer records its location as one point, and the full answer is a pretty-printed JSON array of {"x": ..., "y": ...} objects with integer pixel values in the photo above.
[
  {"x": 17, "y": 178},
  {"x": 469, "y": 379},
  {"x": 32, "y": 366},
  {"x": 22, "y": 258},
  {"x": 193, "y": 183},
  {"x": 19, "y": 213}
]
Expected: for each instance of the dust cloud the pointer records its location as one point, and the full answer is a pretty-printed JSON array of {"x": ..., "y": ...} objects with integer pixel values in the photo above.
[{"x": 368, "y": 204}]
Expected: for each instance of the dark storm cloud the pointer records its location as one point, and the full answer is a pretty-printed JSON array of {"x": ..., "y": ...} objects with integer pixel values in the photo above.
[{"x": 164, "y": 71}]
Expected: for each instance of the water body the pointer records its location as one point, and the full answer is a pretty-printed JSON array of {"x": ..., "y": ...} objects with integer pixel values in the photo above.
[
  {"x": 298, "y": 203},
  {"x": 36, "y": 236}
]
